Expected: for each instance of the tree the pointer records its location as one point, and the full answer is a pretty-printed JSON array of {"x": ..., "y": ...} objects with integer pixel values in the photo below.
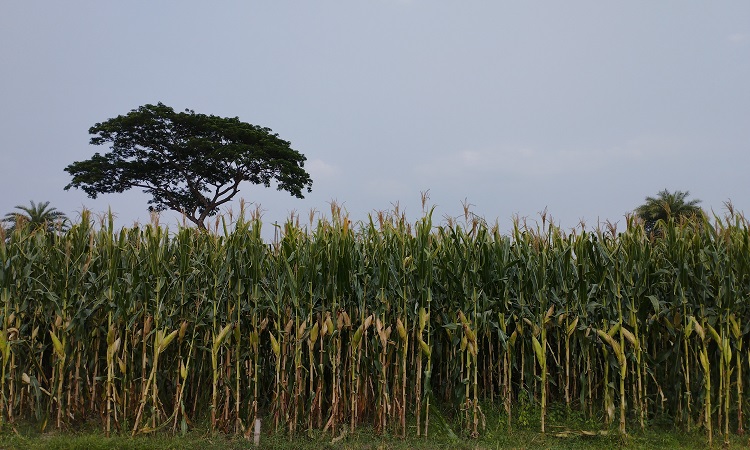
[
  {"x": 667, "y": 205},
  {"x": 190, "y": 163},
  {"x": 38, "y": 216}
]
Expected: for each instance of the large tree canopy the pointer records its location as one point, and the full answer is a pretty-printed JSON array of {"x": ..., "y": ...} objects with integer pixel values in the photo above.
[
  {"x": 190, "y": 163},
  {"x": 667, "y": 205}
]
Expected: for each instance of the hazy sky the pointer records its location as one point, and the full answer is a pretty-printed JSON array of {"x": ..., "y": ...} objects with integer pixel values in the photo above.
[{"x": 582, "y": 107}]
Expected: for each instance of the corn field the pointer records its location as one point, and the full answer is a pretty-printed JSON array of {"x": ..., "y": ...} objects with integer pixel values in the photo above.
[{"x": 404, "y": 327}]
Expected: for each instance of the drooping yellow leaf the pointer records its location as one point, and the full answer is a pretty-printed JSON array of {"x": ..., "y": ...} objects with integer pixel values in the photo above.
[
  {"x": 698, "y": 328},
  {"x": 4, "y": 346},
  {"x": 329, "y": 325},
  {"x": 572, "y": 326},
  {"x": 704, "y": 361},
  {"x": 727, "y": 351},
  {"x": 538, "y": 350},
  {"x": 424, "y": 348},
  {"x": 183, "y": 329},
  {"x": 689, "y": 327},
  {"x": 219, "y": 339},
  {"x": 58, "y": 345},
  {"x": 166, "y": 341},
  {"x": 715, "y": 336},
  {"x": 275, "y": 345},
  {"x": 630, "y": 337},
  {"x": 513, "y": 337},
  {"x": 113, "y": 348},
  {"x": 314, "y": 333},
  {"x": 111, "y": 336},
  {"x": 424, "y": 316},
  {"x": 401, "y": 330},
  {"x": 358, "y": 335},
  {"x": 462, "y": 318},
  {"x": 735, "y": 327}
]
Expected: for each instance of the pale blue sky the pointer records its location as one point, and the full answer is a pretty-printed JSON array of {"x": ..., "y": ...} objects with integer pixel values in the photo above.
[{"x": 582, "y": 107}]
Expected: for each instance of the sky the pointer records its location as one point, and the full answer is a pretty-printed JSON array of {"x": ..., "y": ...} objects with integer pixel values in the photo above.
[{"x": 582, "y": 108}]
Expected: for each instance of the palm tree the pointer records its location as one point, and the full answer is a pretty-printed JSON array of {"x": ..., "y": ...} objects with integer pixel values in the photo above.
[
  {"x": 667, "y": 205},
  {"x": 37, "y": 216}
]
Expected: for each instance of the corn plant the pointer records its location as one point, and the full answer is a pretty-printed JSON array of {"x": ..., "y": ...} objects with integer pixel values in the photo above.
[{"x": 337, "y": 324}]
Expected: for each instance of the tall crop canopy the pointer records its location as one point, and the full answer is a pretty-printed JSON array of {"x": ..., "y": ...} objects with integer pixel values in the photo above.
[{"x": 384, "y": 323}]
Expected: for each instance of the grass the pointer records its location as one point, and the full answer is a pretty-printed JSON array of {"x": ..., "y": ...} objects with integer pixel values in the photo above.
[
  {"x": 565, "y": 431},
  {"x": 362, "y": 440}
]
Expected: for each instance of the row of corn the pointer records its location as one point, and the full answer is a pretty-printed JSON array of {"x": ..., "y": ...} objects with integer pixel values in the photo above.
[{"x": 403, "y": 327}]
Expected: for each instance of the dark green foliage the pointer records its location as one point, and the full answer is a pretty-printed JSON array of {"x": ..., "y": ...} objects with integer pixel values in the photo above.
[
  {"x": 190, "y": 163},
  {"x": 657, "y": 301},
  {"x": 668, "y": 205},
  {"x": 37, "y": 216}
]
